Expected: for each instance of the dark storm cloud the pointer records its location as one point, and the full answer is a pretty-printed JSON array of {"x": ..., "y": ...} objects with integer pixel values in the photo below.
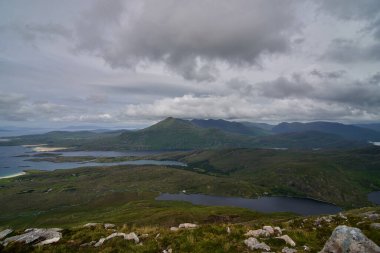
[{"x": 189, "y": 37}]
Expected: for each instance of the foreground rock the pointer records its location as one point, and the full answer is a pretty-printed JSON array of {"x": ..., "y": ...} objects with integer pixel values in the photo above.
[
  {"x": 349, "y": 239},
  {"x": 40, "y": 235},
  {"x": 5, "y": 232},
  {"x": 287, "y": 239},
  {"x": 253, "y": 244},
  {"x": 130, "y": 236},
  {"x": 187, "y": 225}
]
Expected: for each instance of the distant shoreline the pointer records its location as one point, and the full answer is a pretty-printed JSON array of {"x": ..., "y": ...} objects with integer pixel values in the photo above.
[{"x": 14, "y": 175}]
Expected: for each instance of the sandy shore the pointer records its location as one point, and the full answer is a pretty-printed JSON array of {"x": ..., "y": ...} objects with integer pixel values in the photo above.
[
  {"x": 14, "y": 175},
  {"x": 48, "y": 149}
]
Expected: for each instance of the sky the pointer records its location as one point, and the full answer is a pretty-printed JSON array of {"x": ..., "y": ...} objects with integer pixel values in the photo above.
[{"x": 133, "y": 63}]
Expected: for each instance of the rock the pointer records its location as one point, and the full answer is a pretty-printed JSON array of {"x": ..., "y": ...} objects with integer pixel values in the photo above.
[
  {"x": 375, "y": 225},
  {"x": 228, "y": 230},
  {"x": 187, "y": 225},
  {"x": 174, "y": 229},
  {"x": 109, "y": 225},
  {"x": 130, "y": 236},
  {"x": 277, "y": 230},
  {"x": 258, "y": 233},
  {"x": 158, "y": 235},
  {"x": 349, "y": 239},
  {"x": 252, "y": 243},
  {"x": 143, "y": 236},
  {"x": 46, "y": 235},
  {"x": 306, "y": 248},
  {"x": 287, "y": 239},
  {"x": 269, "y": 229},
  {"x": 322, "y": 219},
  {"x": 288, "y": 250},
  {"x": 373, "y": 216},
  {"x": 88, "y": 244},
  {"x": 5, "y": 233},
  {"x": 100, "y": 242},
  {"x": 90, "y": 225},
  {"x": 167, "y": 251},
  {"x": 342, "y": 216}
]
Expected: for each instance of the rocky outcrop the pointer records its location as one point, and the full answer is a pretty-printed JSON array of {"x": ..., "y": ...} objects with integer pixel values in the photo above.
[
  {"x": 288, "y": 250},
  {"x": 187, "y": 225},
  {"x": 40, "y": 235},
  {"x": 109, "y": 226},
  {"x": 287, "y": 239},
  {"x": 253, "y": 244},
  {"x": 266, "y": 231},
  {"x": 90, "y": 225},
  {"x": 5, "y": 233},
  {"x": 349, "y": 239},
  {"x": 130, "y": 236}
]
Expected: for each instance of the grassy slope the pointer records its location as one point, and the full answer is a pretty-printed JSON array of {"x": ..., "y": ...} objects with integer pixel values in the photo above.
[{"x": 343, "y": 178}]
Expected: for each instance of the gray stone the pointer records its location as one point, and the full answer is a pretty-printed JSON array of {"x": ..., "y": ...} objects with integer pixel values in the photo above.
[
  {"x": 187, "y": 225},
  {"x": 109, "y": 225},
  {"x": 258, "y": 233},
  {"x": 253, "y": 244},
  {"x": 90, "y": 225},
  {"x": 375, "y": 225},
  {"x": 288, "y": 250},
  {"x": 47, "y": 235},
  {"x": 130, "y": 236},
  {"x": 349, "y": 239},
  {"x": 5, "y": 233},
  {"x": 287, "y": 239}
]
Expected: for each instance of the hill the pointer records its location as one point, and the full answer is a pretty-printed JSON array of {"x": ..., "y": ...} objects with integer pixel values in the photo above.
[
  {"x": 174, "y": 133},
  {"x": 349, "y": 132},
  {"x": 229, "y": 126}
]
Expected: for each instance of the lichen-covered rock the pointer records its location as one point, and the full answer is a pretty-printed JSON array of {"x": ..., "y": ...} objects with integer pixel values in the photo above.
[
  {"x": 375, "y": 226},
  {"x": 253, "y": 244},
  {"x": 44, "y": 236},
  {"x": 90, "y": 225},
  {"x": 130, "y": 236},
  {"x": 349, "y": 239},
  {"x": 269, "y": 229},
  {"x": 5, "y": 233},
  {"x": 187, "y": 225},
  {"x": 109, "y": 225},
  {"x": 287, "y": 239},
  {"x": 258, "y": 233},
  {"x": 288, "y": 250}
]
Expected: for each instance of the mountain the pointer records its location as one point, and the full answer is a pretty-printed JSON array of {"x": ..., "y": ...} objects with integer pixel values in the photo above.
[
  {"x": 229, "y": 126},
  {"x": 374, "y": 126},
  {"x": 263, "y": 126},
  {"x": 174, "y": 133},
  {"x": 349, "y": 132}
]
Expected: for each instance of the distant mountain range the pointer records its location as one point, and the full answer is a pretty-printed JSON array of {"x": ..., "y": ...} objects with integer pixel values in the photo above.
[{"x": 175, "y": 134}]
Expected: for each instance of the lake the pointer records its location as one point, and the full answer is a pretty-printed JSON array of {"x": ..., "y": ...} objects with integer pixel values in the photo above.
[
  {"x": 301, "y": 206},
  {"x": 374, "y": 197},
  {"x": 11, "y": 163}
]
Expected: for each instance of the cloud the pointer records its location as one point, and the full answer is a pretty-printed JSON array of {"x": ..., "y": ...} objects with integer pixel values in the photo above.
[{"x": 189, "y": 37}]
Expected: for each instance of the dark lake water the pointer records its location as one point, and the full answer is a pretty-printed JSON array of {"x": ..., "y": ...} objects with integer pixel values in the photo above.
[
  {"x": 374, "y": 197},
  {"x": 10, "y": 164},
  {"x": 265, "y": 204}
]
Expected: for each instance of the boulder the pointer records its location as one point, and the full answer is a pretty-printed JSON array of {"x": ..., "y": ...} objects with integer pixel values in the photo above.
[
  {"x": 269, "y": 229},
  {"x": 288, "y": 250},
  {"x": 258, "y": 233},
  {"x": 287, "y": 239},
  {"x": 109, "y": 225},
  {"x": 349, "y": 239},
  {"x": 130, "y": 236},
  {"x": 90, "y": 225},
  {"x": 253, "y": 244},
  {"x": 5, "y": 233},
  {"x": 187, "y": 225},
  {"x": 44, "y": 236},
  {"x": 277, "y": 230},
  {"x": 375, "y": 225}
]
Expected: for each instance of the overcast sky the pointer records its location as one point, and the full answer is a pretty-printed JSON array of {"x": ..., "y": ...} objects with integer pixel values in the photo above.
[{"x": 131, "y": 63}]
